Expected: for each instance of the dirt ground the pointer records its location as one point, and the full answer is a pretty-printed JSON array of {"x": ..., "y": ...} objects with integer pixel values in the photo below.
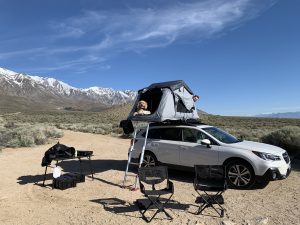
[{"x": 24, "y": 200}]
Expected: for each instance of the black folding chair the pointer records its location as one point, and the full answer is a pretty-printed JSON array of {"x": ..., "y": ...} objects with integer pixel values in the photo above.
[
  {"x": 211, "y": 180},
  {"x": 152, "y": 176}
]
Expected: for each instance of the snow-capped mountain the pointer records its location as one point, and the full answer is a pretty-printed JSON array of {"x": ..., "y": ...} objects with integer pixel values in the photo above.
[{"x": 59, "y": 94}]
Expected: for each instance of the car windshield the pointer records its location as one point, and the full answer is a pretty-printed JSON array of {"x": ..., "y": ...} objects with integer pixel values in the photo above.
[{"x": 221, "y": 135}]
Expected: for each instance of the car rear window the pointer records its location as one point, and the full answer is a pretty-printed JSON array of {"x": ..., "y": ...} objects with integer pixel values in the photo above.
[
  {"x": 153, "y": 134},
  {"x": 172, "y": 134}
]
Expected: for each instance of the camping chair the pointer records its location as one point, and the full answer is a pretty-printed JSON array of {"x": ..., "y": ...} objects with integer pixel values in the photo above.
[
  {"x": 151, "y": 176},
  {"x": 210, "y": 179}
]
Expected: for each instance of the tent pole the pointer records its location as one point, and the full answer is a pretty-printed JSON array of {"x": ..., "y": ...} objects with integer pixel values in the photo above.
[{"x": 142, "y": 155}]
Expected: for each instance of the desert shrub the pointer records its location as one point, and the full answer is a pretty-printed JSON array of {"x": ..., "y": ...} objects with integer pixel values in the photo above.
[
  {"x": 53, "y": 132},
  {"x": 2, "y": 121},
  {"x": 40, "y": 137},
  {"x": 13, "y": 143},
  {"x": 26, "y": 135},
  {"x": 10, "y": 124},
  {"x": 287, "y": 138},
  {"x": 4, "y": 138},
  {"x": 26, "y": 140}
]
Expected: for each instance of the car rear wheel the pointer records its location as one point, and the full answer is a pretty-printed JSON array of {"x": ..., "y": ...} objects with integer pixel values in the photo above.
[
  {"x": 149, "y": 160},
  {"x": 239, "y": 174}
]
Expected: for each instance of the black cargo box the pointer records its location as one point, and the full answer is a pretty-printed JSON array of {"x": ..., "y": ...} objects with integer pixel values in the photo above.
[{"x": 64, "y": 182}]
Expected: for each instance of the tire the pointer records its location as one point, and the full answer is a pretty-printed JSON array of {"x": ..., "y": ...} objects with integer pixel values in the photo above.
[
  {"x": 149, "y": 160},
  {"x": 239, "y": 174}
]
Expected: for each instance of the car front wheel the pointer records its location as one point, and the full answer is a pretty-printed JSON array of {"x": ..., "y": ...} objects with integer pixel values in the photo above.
[{"x": 239, "y": 174}]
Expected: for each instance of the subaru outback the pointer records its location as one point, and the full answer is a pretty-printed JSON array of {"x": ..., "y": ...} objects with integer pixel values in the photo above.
[{"x": 183, "y": 146}]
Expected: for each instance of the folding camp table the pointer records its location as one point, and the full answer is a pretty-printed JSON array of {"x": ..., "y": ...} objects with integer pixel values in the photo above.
[{"x": 71, "y": 158}]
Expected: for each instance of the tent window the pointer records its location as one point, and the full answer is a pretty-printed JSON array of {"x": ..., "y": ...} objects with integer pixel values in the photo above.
[
  {"x": 181, "y": 107},
  {"x": 153, "y": 98}
]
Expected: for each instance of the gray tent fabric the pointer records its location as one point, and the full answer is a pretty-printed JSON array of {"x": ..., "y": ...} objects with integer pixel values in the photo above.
[
  {"x": 173, "y": 85},
  {"x": 185, "y": 96},
  {"x": 172, "y": 100}
]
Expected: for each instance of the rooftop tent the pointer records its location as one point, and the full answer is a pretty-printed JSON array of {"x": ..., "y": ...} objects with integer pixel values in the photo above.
[{"x": 171, "y": 100}]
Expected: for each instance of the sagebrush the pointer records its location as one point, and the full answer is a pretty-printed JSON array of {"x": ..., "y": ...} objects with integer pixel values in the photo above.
[
  {"x": 287, "y": 138},
  {"x": 26, "y": 135}
]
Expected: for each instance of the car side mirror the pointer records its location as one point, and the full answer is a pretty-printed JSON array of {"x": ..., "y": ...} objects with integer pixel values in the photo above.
[{"x": 206, "y": 142}]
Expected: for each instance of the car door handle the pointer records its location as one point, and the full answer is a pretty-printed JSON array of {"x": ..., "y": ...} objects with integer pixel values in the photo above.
[{"x": 183, "y": 147}]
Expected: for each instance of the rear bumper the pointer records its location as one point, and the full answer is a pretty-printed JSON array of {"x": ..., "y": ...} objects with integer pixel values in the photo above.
[{"x": 273, "y": 174}]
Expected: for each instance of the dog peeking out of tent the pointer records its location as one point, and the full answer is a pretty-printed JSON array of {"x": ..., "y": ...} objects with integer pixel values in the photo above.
[{"x": 142, "y": 108}]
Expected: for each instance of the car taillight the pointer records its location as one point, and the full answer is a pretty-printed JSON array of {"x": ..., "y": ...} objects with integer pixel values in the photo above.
[{"x": 135, "y": 141}]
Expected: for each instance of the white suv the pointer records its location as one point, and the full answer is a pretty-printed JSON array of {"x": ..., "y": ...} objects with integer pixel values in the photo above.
[{"x": 183, "y": 146}]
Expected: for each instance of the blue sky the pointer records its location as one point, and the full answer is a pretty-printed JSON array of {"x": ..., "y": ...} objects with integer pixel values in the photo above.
[{"x": 242, "y": 57}]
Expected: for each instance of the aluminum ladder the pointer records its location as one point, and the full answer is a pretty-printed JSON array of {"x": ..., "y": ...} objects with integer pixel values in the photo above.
[{"x": 131, "y": 149}]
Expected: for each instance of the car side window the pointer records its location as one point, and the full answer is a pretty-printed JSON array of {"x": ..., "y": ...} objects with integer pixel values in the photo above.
[
  {"x": 153, "y": 134},
  {"x": 201, "y": 136},
  {"x": 172, "y": 134},
  {"x": 189, "y": 135},
  {"x": 194, "y": 136}
]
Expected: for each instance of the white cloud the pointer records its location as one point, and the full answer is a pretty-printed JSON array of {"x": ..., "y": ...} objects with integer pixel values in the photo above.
[
  {"x": 104, "y": 34},
  {"x": 139, "y": 29},
  {"x": 22, "y": 52},
  {"x": 66, "y": 31},
  {"x": 82, "y": 64},
  {"x": 159, "y": 26}
]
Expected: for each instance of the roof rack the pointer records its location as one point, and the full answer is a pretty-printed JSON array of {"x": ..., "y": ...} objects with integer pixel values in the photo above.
[{"x": 188, "y": 122}]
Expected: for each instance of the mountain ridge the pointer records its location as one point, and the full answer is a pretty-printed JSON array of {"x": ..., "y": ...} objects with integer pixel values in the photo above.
[
  {"x": 57, "y": 93},
  {"x": 291, "y": 115}
]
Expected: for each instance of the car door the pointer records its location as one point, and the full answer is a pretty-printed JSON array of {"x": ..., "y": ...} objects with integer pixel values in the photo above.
[
  {"x": 168, "y": 145},
  {"x": 192, "y": 152}
]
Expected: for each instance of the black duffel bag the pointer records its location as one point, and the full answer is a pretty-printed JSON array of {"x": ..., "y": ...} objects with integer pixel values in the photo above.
[{"x": 57, "y": 151}]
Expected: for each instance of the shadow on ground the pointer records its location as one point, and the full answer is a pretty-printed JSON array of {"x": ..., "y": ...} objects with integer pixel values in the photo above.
[
  {"x": 99, "y": 166},
  {"x": 118, "y": 206}
]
